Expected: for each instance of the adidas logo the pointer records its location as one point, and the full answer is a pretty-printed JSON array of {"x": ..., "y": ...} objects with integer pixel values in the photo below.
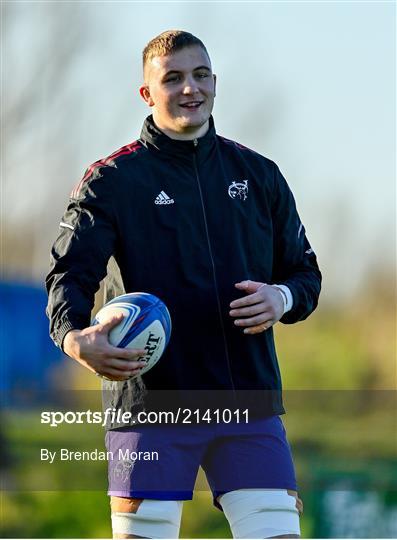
[{"x": 162, "y": 198}]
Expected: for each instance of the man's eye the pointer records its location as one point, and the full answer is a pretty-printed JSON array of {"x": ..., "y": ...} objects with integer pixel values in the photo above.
[
  {"x": 202, "y": 75},
  {"x": 174, "y": 78}
]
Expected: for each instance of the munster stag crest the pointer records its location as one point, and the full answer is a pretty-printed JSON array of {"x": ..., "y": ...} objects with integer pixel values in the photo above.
[{"x": 238, "y": 190}]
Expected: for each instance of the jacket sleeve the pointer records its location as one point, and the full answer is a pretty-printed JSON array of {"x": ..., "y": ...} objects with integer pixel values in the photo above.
[
  {"x": 295, "y": 263},
  {"x": 79, "y": 256}
]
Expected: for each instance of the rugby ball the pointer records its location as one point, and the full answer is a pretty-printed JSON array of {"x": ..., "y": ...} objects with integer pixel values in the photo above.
[{"x": 146, "y": 325}]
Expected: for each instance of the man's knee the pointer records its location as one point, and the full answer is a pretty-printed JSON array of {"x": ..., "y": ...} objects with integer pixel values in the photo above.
[
  {"x": 121, "y": 535},
  {"x": 145, "y": 518},
  {"x": 262, "y": 513},
  {"x": 286, "y": 536},
  {"x": 298, "y": 501}
]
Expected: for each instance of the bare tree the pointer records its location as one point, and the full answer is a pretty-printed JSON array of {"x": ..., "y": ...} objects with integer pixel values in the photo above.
[{"x": 41, "y": 44}]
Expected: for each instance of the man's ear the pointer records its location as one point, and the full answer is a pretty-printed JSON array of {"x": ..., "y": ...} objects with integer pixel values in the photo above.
[
  {"x": 145, "y": 94},
  {"x": 214, "y": 76}
]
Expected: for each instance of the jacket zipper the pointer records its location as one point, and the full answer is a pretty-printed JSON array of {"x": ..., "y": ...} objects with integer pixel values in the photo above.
[{"x": 195, "y": 142}]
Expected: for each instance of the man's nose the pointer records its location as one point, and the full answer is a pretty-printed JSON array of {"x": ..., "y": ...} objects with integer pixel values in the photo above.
[{"x": 190, "y": 87}]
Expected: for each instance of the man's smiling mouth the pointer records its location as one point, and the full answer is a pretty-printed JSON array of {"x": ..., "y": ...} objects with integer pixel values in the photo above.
[{"x": 191, "y": 104}]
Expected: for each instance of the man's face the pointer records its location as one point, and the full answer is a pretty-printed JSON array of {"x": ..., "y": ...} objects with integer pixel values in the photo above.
[{"x": 180, "y": 89}]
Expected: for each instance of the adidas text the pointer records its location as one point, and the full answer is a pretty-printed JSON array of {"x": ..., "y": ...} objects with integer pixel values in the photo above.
[{"x": 162, "y": 198}]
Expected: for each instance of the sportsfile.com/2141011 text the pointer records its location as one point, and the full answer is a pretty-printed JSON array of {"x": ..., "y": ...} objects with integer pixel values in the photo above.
[{"x": 179, "y": 416}]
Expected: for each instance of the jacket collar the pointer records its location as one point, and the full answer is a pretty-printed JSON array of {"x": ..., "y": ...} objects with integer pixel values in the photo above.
[{"x": 152, "y": 135}]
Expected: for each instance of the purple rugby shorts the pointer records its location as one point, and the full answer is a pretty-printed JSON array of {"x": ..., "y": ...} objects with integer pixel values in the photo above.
[{"x": 162, "y": 461}]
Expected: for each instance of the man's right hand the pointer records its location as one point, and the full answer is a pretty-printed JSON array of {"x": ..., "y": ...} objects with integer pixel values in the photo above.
[{"x": 91, "y": 348}]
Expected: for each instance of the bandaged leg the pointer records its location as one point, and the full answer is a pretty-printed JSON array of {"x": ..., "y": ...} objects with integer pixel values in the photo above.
[
  {"x": 261, "y": 513},
  {"x": 147, "y": 518}
]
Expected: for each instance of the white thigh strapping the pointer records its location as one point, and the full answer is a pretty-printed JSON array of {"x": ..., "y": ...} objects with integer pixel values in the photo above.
[
  {"x": 153, "y": 519},
  {"x": 260, "y": 513}
]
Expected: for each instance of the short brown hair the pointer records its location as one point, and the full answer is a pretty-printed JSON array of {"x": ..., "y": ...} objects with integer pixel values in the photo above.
[{"x": 168, "y": 42}]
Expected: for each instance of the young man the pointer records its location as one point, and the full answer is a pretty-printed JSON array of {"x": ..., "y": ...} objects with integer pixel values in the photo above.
[{"x": 210, "y": 227}]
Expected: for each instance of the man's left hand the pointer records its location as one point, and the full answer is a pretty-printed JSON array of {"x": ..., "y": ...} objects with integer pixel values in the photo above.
[{"x": 260, "y": 309}]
